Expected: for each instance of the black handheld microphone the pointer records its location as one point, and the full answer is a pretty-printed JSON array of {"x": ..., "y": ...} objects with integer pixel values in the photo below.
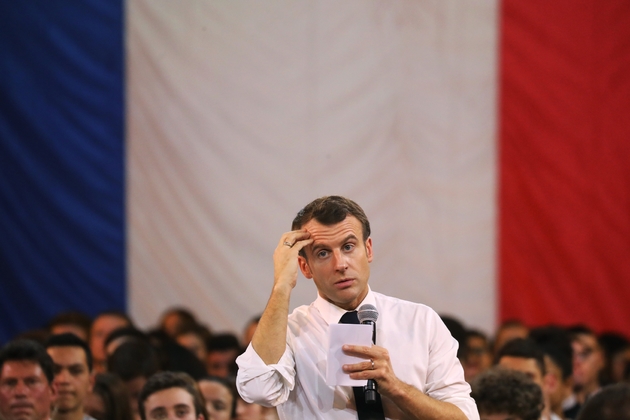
[{"x": 368, "y": 314}]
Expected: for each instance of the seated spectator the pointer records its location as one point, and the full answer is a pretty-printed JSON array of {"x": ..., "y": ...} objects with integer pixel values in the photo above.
[
  {"x": 478, "y": 355},
  {"x": 109, "y": 399},
  {"x": 134, "y": 362},
  {"x": 611, "y": 403},
  {"x": 73, "y": 380},
  {"x": 220, "y": 395},
  {"x": 223, "y": 349},
  {"x": 588, "y": 361},
  {"x": 73, "y": 322},
  {"x": 26, "y": 381},
  {"x": 616, "y": 349},
  {"x": 507, "y": 331},
  {"x": 174, "y": 357},
  {"x": 457, "y": 330},
  {"x": 522, "y": 354},
  {"x": 101, "y": 328},
  {"x": 555, "y": 343},
  {"x": 176, "y": 319},
  {"x": 195, "y": 339},
  {"x": 249, "y": 330},
  {"x": 171, "y": 395},
  {"x": 504, "y": 394},
  {"x": 122, "y": 335}
]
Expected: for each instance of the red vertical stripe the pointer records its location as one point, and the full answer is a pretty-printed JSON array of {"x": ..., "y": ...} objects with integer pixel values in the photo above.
[{"x": 564, "y": 241}]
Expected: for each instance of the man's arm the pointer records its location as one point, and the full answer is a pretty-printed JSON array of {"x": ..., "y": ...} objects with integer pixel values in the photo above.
[
  {"x": 411, "y": 401},
  {"x": 269, "y": 339}
]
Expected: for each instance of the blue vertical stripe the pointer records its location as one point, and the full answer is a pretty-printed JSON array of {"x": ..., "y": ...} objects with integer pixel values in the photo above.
[{"x": 62, "y": 234}]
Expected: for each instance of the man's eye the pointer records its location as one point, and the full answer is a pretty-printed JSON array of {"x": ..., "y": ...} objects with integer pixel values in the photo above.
[
  {"x": 181, "y": 412},
  {"x": 322, "y": 254},
  {"x": 75, "y": 371},
  {"x": 348, "y": 247}
]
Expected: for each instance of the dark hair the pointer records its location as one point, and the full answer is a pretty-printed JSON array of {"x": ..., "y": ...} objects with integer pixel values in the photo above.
[
  {"x": 166, "y": 380},
  {"x": 129, "y": 331},
  {"x": 29, "y": 350},
  {"x": 223, "y": 342},
  {"x": 186, "y": 318},
  {"x": 113, "y": 392},
  {"x": 611, "y": 403},
  {"x": 505, "y": 391},
  {"x": 330, "y": 210},
  {"x": 132, "y": 359},
  {"x": 458, "y": 331},
  {"x": 524, "y": 348},
  {"x": 612, "y": 344},
  {"x": 113, "y": 313},
  {"x": 71, "y": 318},
  {"x": 71, "y": 340},
  {"x": 555, "y": 342},
  {"x": 230, "y": 385}
]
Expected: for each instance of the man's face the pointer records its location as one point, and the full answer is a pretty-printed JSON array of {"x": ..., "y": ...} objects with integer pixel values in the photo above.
[
  {"x": 527, "y": 366},
  {"x": 170, "y": 404},
  {"x": 338, "y": 261},
  {"x": 219, "y": 363},
  {"x": 219, "y": 400},
  {"x": 101, "y": 328},
  {"x": 73, "y": 381},
  {"x": 25, "y": 393},
  {"x": 587, "y": 360}
]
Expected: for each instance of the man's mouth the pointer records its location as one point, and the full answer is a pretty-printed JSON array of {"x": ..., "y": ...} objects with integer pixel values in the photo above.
[
  {"x": 21, "y": 406},
  {"x": 344, "y": 283}
]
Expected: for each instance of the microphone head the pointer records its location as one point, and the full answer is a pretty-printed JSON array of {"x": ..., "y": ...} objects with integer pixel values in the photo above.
[{"x": 367, "y": 312}]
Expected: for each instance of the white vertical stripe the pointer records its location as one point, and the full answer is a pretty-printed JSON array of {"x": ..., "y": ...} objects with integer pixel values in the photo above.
[{"x": 239, "y": 113}]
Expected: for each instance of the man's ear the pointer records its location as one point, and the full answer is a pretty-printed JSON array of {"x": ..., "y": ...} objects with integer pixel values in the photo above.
[
  {"x": 368, "y": 249},
  {"x": 306, "y": 270},
  {"x": 550, "y": 382}
]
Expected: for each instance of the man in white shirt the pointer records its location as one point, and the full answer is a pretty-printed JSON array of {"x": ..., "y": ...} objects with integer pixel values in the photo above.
[{"x": 414, "y": 360}]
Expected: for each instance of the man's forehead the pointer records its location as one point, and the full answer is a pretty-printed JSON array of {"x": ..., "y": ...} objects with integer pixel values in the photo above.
[
  {"x": 347, "y": 227},
  {"x": 21, "y": 368},
  {"x": 67, "y": 354}
]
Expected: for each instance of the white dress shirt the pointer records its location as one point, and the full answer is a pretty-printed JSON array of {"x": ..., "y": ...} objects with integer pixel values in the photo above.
[{"x": 422, "y": 353}]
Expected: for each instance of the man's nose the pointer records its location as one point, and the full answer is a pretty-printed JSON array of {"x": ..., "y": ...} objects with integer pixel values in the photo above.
[{"x": 341, "y": 262}]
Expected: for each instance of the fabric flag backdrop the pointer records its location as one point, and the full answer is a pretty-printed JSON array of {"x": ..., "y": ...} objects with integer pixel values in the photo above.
[{"x": 486, "y": 142}]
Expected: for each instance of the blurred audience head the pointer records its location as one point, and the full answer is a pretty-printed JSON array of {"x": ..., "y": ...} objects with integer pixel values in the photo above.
[
  {"x": 220, "y": 395},
  {"x": 101, "y": 328},
  {"x": 109, "y": 399},
  {"x": 73, "y": 322},
  {"x": 175, "y": 319},
  {"x": 611, "y": 403},
  {"x": 505, "y": 394},
  {"x": 26, "y": 381},
  {"x": 508, "y": 330},
  {"x": 172, "y": 395},
  {"x": 223, "y": 349}
]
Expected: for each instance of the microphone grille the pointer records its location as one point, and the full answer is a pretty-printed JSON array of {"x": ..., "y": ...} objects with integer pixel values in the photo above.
[{"x": 367, "y": 312}]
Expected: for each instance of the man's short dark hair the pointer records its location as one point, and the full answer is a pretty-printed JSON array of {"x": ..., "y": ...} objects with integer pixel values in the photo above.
[
  {"x": 611, "y": 403},
  {"x": 224, "y": 342},
  {"x": 28, "y": 350},
  {"x": 524, "y": 348},
  {"x": 167, "y": 379},
  {"x": 71, "y": 340},
  {"x": 133, "y": 359},
  {"x": 79, "y": 319},
  {"x": 555, "y": 342},
  {"x": 331, "y": 210},
  {"x": 505, "y": 391}
]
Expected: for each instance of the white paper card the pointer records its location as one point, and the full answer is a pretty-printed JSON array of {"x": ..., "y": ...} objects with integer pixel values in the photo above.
[{"x": 340, "y": 334}]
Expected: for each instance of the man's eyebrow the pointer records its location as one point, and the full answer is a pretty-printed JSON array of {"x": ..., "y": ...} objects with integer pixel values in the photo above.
[
  {"x": 317, "y": 246},
  {"x": 157, "y": 410}
]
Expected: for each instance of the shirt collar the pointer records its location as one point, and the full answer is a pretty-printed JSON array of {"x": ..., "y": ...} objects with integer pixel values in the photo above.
[{"x": 332, "y": 313}]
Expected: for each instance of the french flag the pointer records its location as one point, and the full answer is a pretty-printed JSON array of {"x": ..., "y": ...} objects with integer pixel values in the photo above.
[{"x": 153, "y": 152}]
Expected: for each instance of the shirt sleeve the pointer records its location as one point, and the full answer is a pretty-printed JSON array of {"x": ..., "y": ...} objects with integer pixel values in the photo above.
[
  {"x": 445, "y": 375},
  {"x": 263, "y": 384}
]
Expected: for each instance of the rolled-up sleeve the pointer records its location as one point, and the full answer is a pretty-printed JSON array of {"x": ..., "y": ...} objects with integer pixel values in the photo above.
[{"x": 263, "y": 384}]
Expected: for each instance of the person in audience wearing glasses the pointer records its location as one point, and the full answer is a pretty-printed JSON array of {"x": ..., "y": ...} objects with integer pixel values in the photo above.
[{"x": 414, "y": 361}]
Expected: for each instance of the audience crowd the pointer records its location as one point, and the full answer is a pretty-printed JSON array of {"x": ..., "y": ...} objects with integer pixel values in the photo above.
[{"x": 78, "y": 368}]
